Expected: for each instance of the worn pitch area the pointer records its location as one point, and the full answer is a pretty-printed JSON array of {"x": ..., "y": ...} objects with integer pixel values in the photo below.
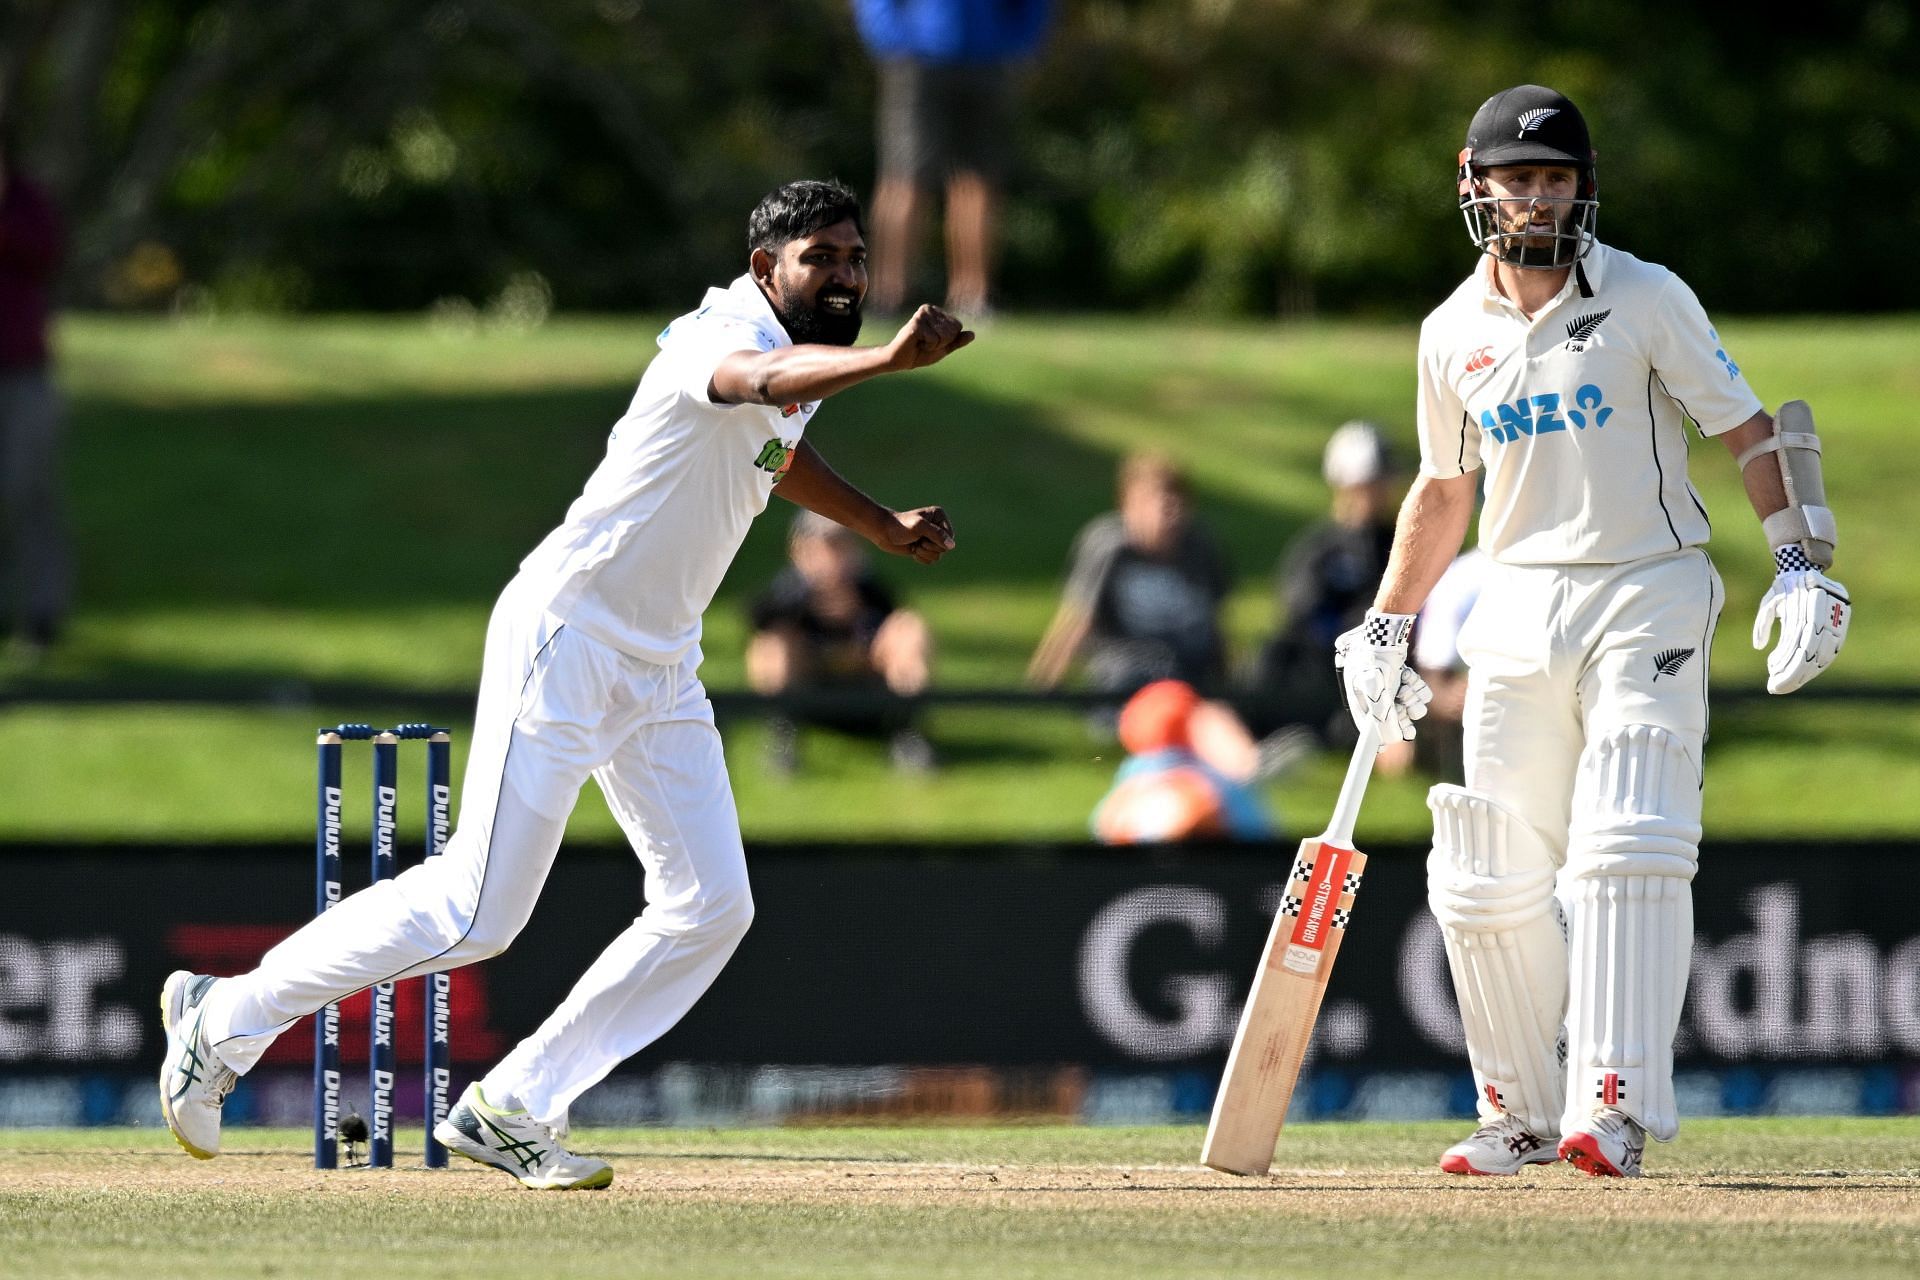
[{"x": 1747, "y": 1198}]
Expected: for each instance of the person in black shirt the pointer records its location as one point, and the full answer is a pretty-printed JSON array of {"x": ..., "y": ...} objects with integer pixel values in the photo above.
[
  {"x": 1143, "y": 593},
  {"x": 1325, "y": 582},
  {"x": 35, "y": 561},
  {"x": 827, "y": 623}
]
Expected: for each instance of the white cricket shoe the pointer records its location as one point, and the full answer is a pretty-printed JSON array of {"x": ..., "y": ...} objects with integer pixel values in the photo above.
[
  {"x": 1608, "y": 1145},
  {"x": 516, "y": 1142},
  {"x": 1499, "y": 1148},
  {"x": 193, "y": 1081}
]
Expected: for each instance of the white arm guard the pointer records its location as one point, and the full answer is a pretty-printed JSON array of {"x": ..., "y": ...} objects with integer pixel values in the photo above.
[{"x": 1805, "y": 522}]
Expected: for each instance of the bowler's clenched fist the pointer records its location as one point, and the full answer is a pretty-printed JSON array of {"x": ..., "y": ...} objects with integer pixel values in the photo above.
[
  {"x": 929, "y": 336},
  {"x": 925, "y": 533}
]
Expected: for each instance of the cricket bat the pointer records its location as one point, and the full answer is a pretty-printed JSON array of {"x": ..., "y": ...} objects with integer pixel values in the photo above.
[{"x": 1264, "y": 1062}]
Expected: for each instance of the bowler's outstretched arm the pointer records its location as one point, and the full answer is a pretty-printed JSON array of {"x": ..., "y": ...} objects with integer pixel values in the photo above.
[
  {"x": 925, "y": 534},
  {"x": 814, "y": 371}
]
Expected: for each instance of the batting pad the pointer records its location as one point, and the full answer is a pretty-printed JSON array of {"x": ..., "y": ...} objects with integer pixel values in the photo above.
[
  {"x": 1490, "y": 882},
  {"x": 1631, "y": 859}
]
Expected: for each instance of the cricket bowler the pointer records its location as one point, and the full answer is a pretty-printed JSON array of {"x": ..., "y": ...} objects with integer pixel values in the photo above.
[
  {"x": 591, "y": 669},
  {"x": 1561, "y": 375}
]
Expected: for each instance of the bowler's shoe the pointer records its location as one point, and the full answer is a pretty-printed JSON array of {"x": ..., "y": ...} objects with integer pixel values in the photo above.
[
  {"x": 517, "y": 1143},
  {"x": 193, "y": 1081}
]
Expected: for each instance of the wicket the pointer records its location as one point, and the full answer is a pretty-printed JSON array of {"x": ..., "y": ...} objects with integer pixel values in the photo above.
[{"x": 382, "y": 1058}]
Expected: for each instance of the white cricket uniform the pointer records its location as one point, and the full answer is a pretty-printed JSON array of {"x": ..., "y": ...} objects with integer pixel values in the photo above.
[
  {"x": 591, "y": 670},
  {"x": 1587, "y": 650}
]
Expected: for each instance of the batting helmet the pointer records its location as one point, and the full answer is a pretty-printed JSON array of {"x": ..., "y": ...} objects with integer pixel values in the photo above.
[{"x": 1534, "y": 125}]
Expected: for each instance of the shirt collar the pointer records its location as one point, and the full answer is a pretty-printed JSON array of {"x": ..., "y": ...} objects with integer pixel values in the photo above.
[
  {"x": 1583, "y": 281},
  {"x": 1593, "y": 266},
  {"x": 742, "y": 300}
]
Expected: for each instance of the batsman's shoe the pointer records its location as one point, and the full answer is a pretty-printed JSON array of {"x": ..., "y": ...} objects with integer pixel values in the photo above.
[
  {"x": 1499, "y": 1148},
  {"x": 1608, "y": 1145},
  {"x": 516, "y": 1142},
  {"x": 193, "y": 1081}
]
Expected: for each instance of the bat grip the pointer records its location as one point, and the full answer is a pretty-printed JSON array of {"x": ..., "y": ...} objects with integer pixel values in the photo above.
[{"x": 1347, "y": 808}]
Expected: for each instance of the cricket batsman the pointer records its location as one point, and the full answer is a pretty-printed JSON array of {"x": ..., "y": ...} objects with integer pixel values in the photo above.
[
  {"x": 591, "y": 669},
  {"x": 1561, "y": 375}
]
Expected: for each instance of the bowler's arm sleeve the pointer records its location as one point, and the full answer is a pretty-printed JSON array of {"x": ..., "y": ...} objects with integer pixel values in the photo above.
[{"x": 695, "y": 347}]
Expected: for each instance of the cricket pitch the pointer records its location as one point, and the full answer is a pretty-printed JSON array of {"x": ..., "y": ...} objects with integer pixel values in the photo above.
[{"x": 1747, "y": 1198}]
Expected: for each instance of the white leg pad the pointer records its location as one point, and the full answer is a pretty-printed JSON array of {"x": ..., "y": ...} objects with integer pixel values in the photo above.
[
  {"x": 1631, "y": 857},
  {"x": 1490, "y": 882}
]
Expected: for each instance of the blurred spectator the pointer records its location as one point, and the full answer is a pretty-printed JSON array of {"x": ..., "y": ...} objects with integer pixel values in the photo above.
[
  {"x": 827, "y": 625},
  {"x": 945, "y": 120},
  {"x": 33, "y": 543},
  {"x": 1326, "y": 580},
  {"x": 1436, "y": 655},
  {"x": 1188, "y": 773},
  {"x": 1143, "y": 592}
]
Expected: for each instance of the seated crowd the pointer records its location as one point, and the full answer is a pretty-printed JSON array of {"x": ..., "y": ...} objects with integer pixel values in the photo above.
[{"x": 1139, "y": 617}]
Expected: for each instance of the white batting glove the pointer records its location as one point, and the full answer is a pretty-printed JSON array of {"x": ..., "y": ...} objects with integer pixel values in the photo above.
[
  {"x": 1813, "y": 612},
  {"x": 1380, "y": 686}
]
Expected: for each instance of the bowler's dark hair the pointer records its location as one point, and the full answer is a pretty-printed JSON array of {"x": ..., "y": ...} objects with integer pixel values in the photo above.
[{"x": 799, "y": 209}]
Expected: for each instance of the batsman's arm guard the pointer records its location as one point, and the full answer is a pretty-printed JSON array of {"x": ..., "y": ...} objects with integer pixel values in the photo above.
[{"x": 1806, "y": 522}]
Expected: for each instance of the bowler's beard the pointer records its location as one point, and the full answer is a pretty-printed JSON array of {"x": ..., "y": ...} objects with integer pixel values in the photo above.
[{"x": 809, "y": 322}]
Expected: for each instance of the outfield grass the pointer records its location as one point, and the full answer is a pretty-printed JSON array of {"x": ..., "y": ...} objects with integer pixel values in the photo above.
[
  {"x": 284, "y": 501},
  {"x": 163, "y": 773},
  {"x": 1752, "y": 1199}
]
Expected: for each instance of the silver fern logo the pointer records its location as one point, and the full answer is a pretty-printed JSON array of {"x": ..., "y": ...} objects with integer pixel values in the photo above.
[
  {"x": 1669, "y": 661},
  {"x": 1531, "y": 120},
  {"x": 1582, "y": 329}
]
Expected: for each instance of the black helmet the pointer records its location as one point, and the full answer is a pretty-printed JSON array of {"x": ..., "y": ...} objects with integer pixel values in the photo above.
[{"x": 1529, "y": 124}]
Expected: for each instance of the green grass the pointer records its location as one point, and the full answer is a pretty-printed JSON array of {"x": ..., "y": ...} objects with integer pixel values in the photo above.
[
  {"x": 286, "y": 501},
  {"x": 1752, "y": 1199},
  {"x": 157, "y": 773}
]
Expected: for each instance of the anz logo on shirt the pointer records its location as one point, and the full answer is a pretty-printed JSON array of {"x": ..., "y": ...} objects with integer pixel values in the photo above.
[{"x": 1543, "y": 414}]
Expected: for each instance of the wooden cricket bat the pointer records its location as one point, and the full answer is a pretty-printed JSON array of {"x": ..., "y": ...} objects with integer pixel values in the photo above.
[{"x": 1278, "y": 1021}]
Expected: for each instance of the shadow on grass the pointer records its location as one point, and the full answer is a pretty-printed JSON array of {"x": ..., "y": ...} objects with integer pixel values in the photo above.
[{"x": 394, "y": 502}]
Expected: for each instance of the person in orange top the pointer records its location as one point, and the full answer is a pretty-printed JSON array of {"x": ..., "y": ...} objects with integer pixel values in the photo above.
[{"x": 1187, "y": 776}]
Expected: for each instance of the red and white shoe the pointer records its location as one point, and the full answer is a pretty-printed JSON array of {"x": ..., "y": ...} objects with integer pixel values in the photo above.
[
  {"x": 1498, "y": 1149},
  {"x": 1608, "y": 1145}
]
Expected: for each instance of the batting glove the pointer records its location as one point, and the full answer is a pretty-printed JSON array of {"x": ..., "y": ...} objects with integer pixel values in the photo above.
[
  {"x": 1380, "y": 687},
  {"x": 1813, "y": 612}
]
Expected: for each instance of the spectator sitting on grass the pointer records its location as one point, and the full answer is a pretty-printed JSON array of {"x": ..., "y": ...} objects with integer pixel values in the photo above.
[
  {"x": 1325, "y": 583},
  {"x": 1188, "y": 774},
  {"x": 1143, "y": 593},
  {"x": 827, "y": 624},
  {"x": 35, "y": 568}
]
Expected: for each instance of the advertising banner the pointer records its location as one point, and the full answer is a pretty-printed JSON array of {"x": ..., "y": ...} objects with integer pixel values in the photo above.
[{"x": 1044, "y": 979}]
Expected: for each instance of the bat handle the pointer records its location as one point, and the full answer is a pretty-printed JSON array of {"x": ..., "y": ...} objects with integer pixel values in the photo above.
[{"x": 1347, "y": 809}]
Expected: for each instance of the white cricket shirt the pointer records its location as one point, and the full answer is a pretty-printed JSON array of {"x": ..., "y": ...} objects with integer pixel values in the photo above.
[
  {"x": 644, "y": 547},
  {"x": 1578, "y": 414}
]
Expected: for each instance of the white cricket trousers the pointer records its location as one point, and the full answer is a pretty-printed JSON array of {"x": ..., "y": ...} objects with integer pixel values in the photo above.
[
  {"x": 1586, "y": 716},
  {"x": 554, "y": 708},
  {"x": 1560, "y": 656}
]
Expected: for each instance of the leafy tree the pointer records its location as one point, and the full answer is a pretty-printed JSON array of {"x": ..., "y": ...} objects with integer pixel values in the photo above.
[{"x": 1249, "y": 156}]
